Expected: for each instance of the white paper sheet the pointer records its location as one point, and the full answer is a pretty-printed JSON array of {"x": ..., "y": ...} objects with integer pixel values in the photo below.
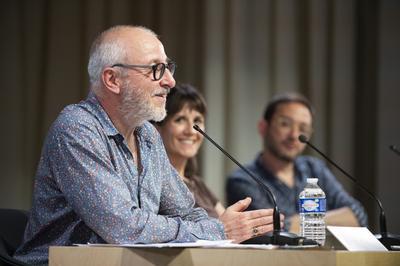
[
  {"x": 356, "y": 238},
  {"x": 197, "y": 244}
]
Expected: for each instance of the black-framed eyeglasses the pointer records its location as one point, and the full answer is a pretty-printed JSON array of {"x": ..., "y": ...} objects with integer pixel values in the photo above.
[{"x": 158, "y": 69}]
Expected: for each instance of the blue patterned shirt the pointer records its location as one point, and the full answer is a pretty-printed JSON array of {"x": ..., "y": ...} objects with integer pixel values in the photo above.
[
  {"x": 88, "y": 189},
  {"x": 240, "y": 185}
]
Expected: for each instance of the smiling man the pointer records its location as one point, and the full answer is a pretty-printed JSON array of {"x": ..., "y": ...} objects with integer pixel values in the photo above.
[
  {"x": 281, "y": 167},
  {"x": 104, "y": 176}
]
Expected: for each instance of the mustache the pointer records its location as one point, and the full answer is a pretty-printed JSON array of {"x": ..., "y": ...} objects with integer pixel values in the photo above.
[{"x": 165, "y": 91}]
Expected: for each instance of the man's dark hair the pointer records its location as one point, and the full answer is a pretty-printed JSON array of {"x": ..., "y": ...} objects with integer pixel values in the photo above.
[{"x": 284, "y": 98}]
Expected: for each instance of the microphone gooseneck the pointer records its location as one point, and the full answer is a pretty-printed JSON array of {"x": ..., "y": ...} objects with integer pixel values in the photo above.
[
  {"x": 386, "y": 239},
  {"x": 303, "y": 139},
  {"x": 278, "y": 237},
  {"x": 276, "y": 214}
]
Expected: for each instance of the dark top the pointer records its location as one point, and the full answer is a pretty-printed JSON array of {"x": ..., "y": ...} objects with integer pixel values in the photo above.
[
  {"x": 240, "y": 185},
  {"x": 203, "y": 197}
]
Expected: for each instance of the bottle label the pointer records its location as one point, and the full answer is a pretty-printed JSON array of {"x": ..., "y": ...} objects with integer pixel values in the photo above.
[{"x": 315, "y": 205}]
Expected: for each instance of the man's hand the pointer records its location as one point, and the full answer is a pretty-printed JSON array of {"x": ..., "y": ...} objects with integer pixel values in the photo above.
[{"x": 240, "y": 225}]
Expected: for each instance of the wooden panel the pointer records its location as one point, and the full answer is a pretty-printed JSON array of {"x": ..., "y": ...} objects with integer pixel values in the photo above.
[{"x": 60, "y": 256}]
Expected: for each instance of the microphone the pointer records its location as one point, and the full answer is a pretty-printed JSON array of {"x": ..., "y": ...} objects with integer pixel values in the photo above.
[
  {"x": 277, "y": 237},
  {"x": 387, "y": 239},
  {"x": 394, "y": 149}
]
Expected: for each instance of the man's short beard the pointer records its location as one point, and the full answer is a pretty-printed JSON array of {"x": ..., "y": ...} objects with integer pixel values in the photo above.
[
  {"x": 136, "y": 109},
  {"x": 275, "y": 152}
]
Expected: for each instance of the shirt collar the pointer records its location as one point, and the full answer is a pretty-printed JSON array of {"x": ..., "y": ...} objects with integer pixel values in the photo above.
[{"x": 300, "y": 167}]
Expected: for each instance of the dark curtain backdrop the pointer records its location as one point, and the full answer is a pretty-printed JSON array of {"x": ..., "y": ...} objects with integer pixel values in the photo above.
[{"x": 343, "y": 55}]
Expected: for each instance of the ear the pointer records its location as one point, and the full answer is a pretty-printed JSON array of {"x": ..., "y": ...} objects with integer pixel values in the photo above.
[
  {"x": 111, "y": 80},
  {"x": 262, "y": 127}
]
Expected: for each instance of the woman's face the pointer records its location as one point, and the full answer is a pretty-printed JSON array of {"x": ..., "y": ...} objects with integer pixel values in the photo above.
[{"x": 180, "y": 139}]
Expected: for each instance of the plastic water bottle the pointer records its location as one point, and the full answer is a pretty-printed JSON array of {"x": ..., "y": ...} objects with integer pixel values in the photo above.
[{"x": 312, "y": 207}]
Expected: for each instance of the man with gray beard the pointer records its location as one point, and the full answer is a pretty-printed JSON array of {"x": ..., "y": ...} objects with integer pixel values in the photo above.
[
  {"x": 282, "y": 168},
  {"x": 103, "y": 175}
]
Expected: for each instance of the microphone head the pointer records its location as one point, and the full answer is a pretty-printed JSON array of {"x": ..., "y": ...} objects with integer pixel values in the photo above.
[
  {"x": 303, "y": 139},
  {"x": 394, "y": 149}
]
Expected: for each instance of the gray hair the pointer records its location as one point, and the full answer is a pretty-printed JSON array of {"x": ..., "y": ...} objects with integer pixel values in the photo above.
[{"x": 107, "y": 51}]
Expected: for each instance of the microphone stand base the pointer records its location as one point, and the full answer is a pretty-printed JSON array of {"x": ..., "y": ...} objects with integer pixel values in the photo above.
[
  {"x": 389, "y": 240},
  {"x": 281, "y": 239}
]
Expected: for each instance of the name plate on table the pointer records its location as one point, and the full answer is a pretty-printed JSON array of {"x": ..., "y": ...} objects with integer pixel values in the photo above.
[{"x": 356, "y": 238}]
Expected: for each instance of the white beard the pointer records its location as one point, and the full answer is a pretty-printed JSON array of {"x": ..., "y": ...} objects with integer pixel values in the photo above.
[{"x": 136, "y": 107}]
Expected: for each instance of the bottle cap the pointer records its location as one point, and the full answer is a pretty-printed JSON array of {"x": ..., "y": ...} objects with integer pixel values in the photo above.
[{"x": 312, "y": 180}]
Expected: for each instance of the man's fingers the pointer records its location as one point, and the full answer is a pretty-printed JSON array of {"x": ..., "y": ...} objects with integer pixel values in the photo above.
[
  {"x": 249, "y": 220},
  {"x": 244, "y": 225},
  {"x": 265, "y": 220},
  {"x": 258, "y": 213},
  {"x": 263, "y": 229},
  {"x": 249, "y": 232},
  {"x": 241, "y": 205}
]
